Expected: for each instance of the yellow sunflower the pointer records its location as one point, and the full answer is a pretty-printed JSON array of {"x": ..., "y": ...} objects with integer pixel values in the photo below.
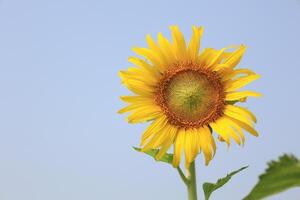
[{"x": 188, "y": 95}]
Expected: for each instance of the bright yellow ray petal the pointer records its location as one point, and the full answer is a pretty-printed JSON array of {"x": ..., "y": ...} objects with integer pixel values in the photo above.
[
  {"x": 154, "y": 47},
  {"x": 145, "y": 65},
  {"x": 136, "y": 99},
  {"x": 191, "y": 147},
  {"x": 198, "y": 139},
  {"x": 211, "y": 139},
  {"x": 227, "y": 74},
  {"x": 152, "y": 56},
  {"x": 178, "y": 147},
  {"x": 137, "y": 75},
  {"x": 221, "y": 67},
  {"x": 165, "y": 138},
  {"x": 205, "y": 56},
  {"x": 207, "y": 144},
  {"x": 188, "y": 148},
  {"x": 213, "y": 143},
  {"x": 138, "y": 87},
  {"x": 195, "y": 141},
  {"x": 226, "y": 54},
  {"x": 145, "y": 104},
  {"x": 234, "y": 59},
  {"x": 166, "y": 48},
  {"x": 233, "y": 96},
  {"x": 240, "y": 82},
  {"x": 194, "y": 45},
  {"x": 226, "y": 127},
  {"x": 142, "y": 75},
  {"x": 242, "y": 111},
  {"x": 157, "y": 139},
  {"x": 168, "y": 142},
  {"x": 153, "y": 128},
  {"x": 217, "y": 127},
  {"x": 237, "y": 128},
  {"x": 244, "y": 126},
  {"x": 238, "y": 116},
  {"x": 178, "y": 43},
  {"x": 143, "y": 114},
  {"x": 216, "y": 58}
]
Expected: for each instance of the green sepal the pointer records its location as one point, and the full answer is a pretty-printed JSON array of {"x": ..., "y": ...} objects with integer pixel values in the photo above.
[
  {"x": 279, "y": 176},
  {"x": 232, "y": 102},
  {"x": 167, "y": 158},
  {"x": 209, "y": 188}
]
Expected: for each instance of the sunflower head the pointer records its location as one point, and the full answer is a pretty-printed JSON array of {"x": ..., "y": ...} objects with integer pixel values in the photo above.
[{"x": 188, "y": 95}]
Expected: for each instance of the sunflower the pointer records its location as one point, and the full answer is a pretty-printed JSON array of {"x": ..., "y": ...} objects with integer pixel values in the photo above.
[{"x": 188, "y": 96}]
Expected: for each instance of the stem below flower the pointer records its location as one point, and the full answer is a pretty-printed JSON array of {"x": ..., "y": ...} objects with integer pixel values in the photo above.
[
  {"x": 192, "y": 184},
  {"x": 190, "y": 181}
]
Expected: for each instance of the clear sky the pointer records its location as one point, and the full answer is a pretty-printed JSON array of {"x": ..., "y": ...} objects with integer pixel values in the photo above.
[{"x": 60, "y": 135}]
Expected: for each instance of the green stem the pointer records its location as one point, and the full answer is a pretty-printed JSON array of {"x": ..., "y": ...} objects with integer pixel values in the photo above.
[
  {"x": 192, "y": 184},
  {"x": 190, "y": 181},
  {"x": 182, "y": 176}
]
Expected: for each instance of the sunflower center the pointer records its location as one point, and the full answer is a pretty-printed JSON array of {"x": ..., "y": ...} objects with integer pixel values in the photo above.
[{"x": 191, "y": 96}]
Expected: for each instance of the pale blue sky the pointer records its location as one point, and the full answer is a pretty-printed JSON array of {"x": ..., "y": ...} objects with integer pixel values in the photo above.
[{"x": 60, "y": 136}]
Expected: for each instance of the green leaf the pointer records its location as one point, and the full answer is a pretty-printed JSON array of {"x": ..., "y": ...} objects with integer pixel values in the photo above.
[
  {"x": 167, "y": 158},
  {"x": 209, "y": 188},
  {"x": 279, "y": 176}
]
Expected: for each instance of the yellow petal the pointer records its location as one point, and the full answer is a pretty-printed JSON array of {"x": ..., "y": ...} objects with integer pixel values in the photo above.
[
  {"x": 157, "y": 139},
  {"x": 146, "y": 66},
  {"x": 237, "y": 128},
  {"x": 225, "y": 126},
  {"x": 136, "y": 99},
  {"x": 134, "y": 106},
  {"x": 143, "y": 114},
  {"x": 240, "y": 82},
  {"x": 195, "y": 141},
  {"x": 205, "y": 57},
  {"x": 179, "y": 43},
  {"x": 235, "y": 57},
  {"x": 166, "y": 48},
  {"x": 216, "y": 58},
  {"x": 213, "y": 143},
  {"x": 230, "y": 73},
  {"x": 233, "y": 96},
  {"x": 207, "y": 144},
  {"x": 188, "y": 149},
  {"x": 230, "y": 131},
  {"x": 139, "y": 87},
  {"x": 152, "y": 56},
  {"x": 238, "y": 116},
  {"x": 198, "y": 136},
  {"x": 220, "y": 68},
  {"x": 134, "y": 73},
  {"x": 168, "y": 142},
  {"x": 154, "y": 128},
  {"x": 191, "y": 147},
  {"x": 217, "y": 127},
  {"x": 242, "y": 111},
  {"x": 178, "y": 146},
  {"x": 154, "y": 47},
  {"x": 194, "y": 45},
  {"x": 245, "y": 126}
]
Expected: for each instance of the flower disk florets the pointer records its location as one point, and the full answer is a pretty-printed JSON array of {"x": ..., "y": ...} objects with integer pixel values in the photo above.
[{"x": 191, "y": 96}]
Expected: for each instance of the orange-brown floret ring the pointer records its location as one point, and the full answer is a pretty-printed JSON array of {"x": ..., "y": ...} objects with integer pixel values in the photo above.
[{"x": 210, "y": 114}]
